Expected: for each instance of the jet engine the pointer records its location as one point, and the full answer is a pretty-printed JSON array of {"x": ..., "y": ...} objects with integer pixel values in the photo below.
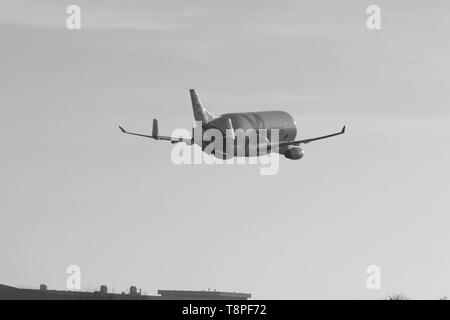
[{"x": 294, "y": 153}]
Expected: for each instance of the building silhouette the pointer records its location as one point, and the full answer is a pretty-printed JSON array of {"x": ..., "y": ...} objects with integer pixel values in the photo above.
[{"x": 13, "y": 293}]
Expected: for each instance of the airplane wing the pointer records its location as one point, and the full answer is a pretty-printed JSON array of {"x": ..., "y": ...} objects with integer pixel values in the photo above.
[
  {"x": 297, "y": 142},
  {"x": 155, "y": 135}
]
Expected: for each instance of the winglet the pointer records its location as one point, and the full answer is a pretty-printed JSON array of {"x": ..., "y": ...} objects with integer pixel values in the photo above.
[
  {"x": 343, "y": 129},
  {"x": 122, "y": 129}
]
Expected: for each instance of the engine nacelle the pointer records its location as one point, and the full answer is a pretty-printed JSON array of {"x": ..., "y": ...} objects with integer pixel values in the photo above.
[{"x": 294, "y": 153}]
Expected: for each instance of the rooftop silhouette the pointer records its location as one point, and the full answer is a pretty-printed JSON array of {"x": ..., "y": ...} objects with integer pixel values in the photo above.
[{"x": 13, "y": 293}]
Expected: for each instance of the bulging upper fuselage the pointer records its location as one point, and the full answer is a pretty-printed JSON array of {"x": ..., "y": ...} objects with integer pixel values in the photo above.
[
  {"x": 268, "y": 120},
  {"x": 258, "y": 125}
]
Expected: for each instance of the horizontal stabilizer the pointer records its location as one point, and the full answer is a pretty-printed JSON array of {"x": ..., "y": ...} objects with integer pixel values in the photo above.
[{"x": 155, "y": 135}]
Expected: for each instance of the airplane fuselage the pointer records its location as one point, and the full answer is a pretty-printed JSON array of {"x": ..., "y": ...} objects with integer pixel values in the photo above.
[
  {"x": 269, "y": 120},
  {"x": 253, "y": 123}
]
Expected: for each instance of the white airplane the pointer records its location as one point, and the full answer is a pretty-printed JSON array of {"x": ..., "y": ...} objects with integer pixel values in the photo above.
[{"x": 231, "y": 125}]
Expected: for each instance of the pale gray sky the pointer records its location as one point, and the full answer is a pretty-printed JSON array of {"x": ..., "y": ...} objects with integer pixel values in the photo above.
[{"x": 77, "y": 191}]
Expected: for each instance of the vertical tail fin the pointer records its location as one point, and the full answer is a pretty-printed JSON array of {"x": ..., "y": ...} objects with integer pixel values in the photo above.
[
  {"x": 200, "y": 113},
  {"x": 155, "y": 131}
]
